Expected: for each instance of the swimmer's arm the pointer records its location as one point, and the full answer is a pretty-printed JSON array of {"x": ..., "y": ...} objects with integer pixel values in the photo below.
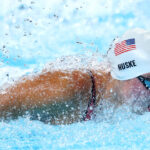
[{"x": 47, "y": 88}]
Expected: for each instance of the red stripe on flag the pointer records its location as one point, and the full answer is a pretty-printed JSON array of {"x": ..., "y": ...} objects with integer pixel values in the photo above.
[
  {"x": 123, "y": 52},
  {"x": 122, "y": 48}
]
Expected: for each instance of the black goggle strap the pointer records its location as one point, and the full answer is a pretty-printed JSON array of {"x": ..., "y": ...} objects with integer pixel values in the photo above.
[{"x": 145, "y": 82}]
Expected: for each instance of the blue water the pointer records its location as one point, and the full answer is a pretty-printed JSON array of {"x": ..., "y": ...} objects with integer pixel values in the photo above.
[
  {"x": 123, "y": 134},
  {"x": 34, "y": 33}
]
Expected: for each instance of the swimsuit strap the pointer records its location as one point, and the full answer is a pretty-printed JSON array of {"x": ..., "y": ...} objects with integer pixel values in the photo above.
[{"x": 92, "y": 101}]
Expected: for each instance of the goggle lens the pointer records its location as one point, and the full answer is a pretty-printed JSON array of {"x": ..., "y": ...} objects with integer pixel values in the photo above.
[{"x": 145, "y": 81}]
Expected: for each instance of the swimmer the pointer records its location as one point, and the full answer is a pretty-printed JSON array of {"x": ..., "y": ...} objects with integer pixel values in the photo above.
[{"x": 65, "y": 97}]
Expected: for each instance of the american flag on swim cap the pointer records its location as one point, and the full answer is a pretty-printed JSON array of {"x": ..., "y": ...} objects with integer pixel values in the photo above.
[{"x": 124, "y": 46}]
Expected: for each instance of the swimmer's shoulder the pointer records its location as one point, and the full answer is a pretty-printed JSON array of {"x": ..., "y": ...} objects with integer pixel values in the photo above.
[
  {"x": 102, "y": 78},
  {"x": 101, "y": 75}
]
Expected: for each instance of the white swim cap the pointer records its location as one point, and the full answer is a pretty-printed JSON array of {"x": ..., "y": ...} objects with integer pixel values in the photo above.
[{"x": 129, "y": 55}]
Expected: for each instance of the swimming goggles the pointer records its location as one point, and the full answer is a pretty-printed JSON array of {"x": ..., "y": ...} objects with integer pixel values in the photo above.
[{"x": 145, "y": 81}]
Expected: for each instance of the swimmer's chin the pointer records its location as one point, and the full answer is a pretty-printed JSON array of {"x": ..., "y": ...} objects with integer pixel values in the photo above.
[{"x": 133, "y": 105}]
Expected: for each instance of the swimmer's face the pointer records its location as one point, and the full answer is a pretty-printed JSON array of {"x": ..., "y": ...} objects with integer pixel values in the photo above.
[{"x": 134, "y": 90}]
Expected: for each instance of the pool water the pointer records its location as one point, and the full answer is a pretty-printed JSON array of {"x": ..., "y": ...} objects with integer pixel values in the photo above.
[
  {"x": 124, "y": 134},
  {"x": 36, "y": 32}
]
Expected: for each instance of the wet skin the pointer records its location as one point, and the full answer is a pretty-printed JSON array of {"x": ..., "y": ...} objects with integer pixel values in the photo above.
[
  {"x": 62, "y": 97},
  {"x": 134, "y": 92}
]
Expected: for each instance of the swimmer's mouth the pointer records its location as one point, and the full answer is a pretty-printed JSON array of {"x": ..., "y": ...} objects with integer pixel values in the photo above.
[
  {"x": 148, "y": 108},
  {"x": 148, "y": 105}
]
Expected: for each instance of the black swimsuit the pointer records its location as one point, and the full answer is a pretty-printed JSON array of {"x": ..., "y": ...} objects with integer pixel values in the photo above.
[{"x": 92, "y": 101}]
